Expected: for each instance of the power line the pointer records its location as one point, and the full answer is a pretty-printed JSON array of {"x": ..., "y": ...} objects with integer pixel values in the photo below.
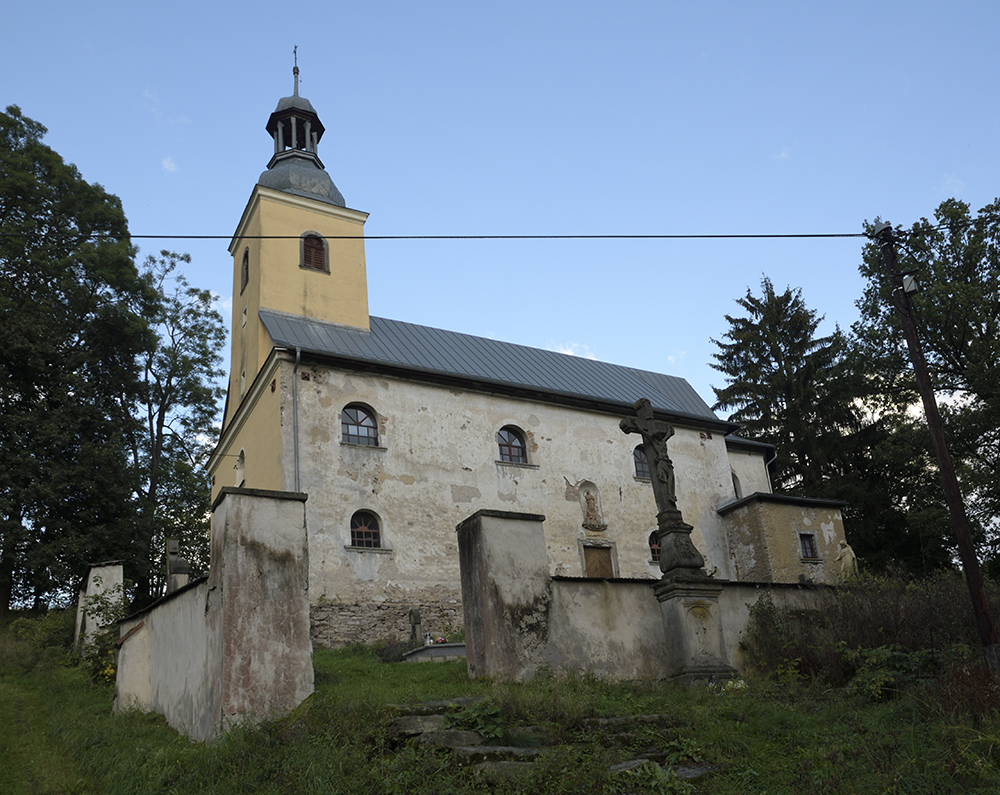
[
  {"x": 452, "y": 237},
  {"x": 735, "y": 236}
]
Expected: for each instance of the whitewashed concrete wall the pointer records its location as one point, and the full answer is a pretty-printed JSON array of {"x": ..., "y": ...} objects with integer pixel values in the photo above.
[
  {"x": 169, "y": 663},
  {"x": 235, "y": 646},
  {"x": 436, "y": 463}
]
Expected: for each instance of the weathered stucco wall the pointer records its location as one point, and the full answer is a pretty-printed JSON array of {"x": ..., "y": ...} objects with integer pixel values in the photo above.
[
  {"x": 764, "y": 538},
  {"x": 749, "y": 468},
  {"x": 611, "y": 629},
  {"x": 436, "y": 463},
  {"x": 258, "y": 602},
  {"x": 518, "y": 619},
  {"x": 234, "y": 647}
]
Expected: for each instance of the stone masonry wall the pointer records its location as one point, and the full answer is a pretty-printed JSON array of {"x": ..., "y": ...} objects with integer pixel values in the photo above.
[{"x": 337, "y": 624}]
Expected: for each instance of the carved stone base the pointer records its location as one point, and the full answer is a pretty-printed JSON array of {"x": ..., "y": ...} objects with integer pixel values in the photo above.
[
  {"x": 677, "y": 550},
  {"x": 689, "y": 607}
]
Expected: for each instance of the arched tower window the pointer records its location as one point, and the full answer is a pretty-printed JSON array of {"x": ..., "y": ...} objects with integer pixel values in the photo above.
[
  {"x": 313, "y": 252},
  {"x": 358, "y": 426},
  {"x": 245, "y": 270},
  {"x": 365, "y": 530},
  {"x": 241, "y": 469},
  {"x": 510, "y": 442}
]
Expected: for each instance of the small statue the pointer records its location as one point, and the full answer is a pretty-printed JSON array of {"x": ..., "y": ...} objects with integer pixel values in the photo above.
[
  {"x": 591, "y": 516},
  {"x": 848, "y": 561}
]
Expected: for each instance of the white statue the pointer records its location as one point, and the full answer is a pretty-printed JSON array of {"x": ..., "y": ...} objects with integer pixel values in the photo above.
[{"x": 848, "y": 561}]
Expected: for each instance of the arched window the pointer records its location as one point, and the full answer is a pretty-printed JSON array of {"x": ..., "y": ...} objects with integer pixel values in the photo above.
[
  {"x": 313, "y": 253},
  {"x": 654, "y": 547},
  {"x": 641, "y": 462},
  {"x": 365, "y": 530},
  {"x": 737, "y": 488},
  {"x": 358, "y": 426},
  {"x": 245, "y": 270},
  {"x": 510, "y": 441}
]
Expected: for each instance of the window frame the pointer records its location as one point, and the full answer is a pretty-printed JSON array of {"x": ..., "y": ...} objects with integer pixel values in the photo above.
[
  {"x": 357, "y": 439},
  {"x": 807, "y": 544},
  {"x": 311, "y": 235},
  {"x": 655, "y": 551},
  {"x": 368, "y": 538},
  {"x": 503, "y": 443},
  {"x": 245, "y": 270},
  {"x": 640, "y": 450}
]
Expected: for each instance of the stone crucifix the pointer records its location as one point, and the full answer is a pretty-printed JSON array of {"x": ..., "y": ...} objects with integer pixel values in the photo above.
[
  {"x": 654, "y": 441},
  {"x": 678, "y": 554}
]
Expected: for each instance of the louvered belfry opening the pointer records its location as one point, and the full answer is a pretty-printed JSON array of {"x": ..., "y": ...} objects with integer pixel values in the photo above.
[{"x": 313, "y": 254}]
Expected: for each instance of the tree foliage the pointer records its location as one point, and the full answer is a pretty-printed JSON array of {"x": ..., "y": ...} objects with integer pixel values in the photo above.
[
  {"x": 956, "y": 261},
  {"x": 177, "y": 412},
  {"x": 839, "y": 426},
  {"x": 107, "y": 384},
  {"x": 71, "y": 302},
  {"x": 781, "y": 383}
]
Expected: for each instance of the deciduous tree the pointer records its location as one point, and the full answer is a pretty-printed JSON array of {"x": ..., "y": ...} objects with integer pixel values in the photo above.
[
  {"x": 955, "y": 260},
  {"x": 177, "y": 412},
  {"x": 71, "y": 302}
]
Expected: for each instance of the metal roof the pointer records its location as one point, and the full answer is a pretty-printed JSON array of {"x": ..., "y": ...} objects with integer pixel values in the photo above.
[{"x": 426, "y": 351}]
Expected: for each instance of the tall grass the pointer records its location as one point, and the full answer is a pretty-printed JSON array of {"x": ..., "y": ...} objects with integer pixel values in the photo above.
[{"x": 780, "y": 732}]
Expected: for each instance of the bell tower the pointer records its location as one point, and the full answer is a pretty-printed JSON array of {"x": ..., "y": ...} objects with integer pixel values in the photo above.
[{"x": 298, "y": 248}]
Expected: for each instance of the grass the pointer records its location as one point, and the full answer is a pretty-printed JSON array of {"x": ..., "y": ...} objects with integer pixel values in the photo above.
[{"x": 777, "y": 734}]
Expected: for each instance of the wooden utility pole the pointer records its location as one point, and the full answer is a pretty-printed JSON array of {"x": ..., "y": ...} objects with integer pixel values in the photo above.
[{"x": 952, "y": 493}]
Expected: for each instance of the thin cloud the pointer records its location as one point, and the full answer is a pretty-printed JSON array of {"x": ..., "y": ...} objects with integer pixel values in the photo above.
[
  {"x": 571, "y": 349},
  {"x": 152, "y": 103},
  {"x": 221, "y": 304},
  {"x": 952, "y": 186},
  {"x": 169, "y": 165}
]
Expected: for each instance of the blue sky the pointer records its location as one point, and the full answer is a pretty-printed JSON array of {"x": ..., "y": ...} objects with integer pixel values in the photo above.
[{"x": 537, "y": 118}]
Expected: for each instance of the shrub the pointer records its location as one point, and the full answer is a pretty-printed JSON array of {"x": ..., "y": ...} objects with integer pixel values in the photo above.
[{"x": 888, "y": 628}]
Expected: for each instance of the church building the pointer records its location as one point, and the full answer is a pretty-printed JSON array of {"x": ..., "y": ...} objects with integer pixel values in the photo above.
[{"x": 398, "y": 432}]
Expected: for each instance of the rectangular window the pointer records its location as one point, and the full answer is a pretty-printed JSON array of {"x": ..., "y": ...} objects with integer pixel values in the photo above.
[{"x": 808, "y": 543}]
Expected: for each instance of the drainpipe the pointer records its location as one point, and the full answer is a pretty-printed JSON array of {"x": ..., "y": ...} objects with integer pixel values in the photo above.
[
  {"x": 767, "y": 469},
  {"x": 295, "y": 415}
]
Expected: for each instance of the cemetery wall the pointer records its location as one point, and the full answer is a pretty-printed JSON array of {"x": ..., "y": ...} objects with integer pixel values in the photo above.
[{"x": 233, "y": 647}]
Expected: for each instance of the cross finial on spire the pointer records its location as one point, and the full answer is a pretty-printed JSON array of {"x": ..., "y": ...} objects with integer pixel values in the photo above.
[{"x": 295, "y": 69}]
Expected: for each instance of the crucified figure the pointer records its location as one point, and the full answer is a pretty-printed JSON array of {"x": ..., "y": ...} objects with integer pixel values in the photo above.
[{"x": 654, "y": 440}]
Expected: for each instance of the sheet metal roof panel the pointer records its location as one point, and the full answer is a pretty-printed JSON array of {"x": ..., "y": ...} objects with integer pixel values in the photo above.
[{"x": 430, "y": 350}]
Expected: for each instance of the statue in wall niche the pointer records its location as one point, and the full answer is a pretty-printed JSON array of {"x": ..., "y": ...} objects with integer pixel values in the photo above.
[
  {"x": 848, "y": 560},
  {"x": 592, "y": 516}
]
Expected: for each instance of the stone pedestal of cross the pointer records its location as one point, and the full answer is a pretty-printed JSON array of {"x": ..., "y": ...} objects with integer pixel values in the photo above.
[
  {"x": 678, "y": 554},
  {"x": 689, "y": 599}
]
